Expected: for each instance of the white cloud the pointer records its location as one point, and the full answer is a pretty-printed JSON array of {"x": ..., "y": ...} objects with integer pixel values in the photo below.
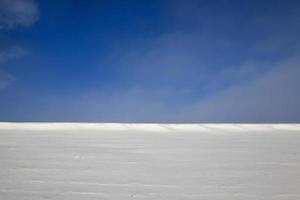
[
  {"x": 12, "y": 53},
  {"x": 15, "y": 13},
  {"x": 201, "y": 75},
  {"x": 271, "y": 97},
  {"x": 274, "y": 97},
  {"x": 5, "y": 79}
]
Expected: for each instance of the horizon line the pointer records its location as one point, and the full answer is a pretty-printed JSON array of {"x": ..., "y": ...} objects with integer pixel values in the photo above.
[{"x": 161, "y": 127}]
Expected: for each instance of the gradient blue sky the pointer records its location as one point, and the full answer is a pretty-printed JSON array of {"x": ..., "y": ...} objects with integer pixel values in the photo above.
[{"x": 150, "y": 61}]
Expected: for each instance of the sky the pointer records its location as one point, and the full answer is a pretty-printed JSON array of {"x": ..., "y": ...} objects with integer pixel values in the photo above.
[{"x": 158, "y": 61}]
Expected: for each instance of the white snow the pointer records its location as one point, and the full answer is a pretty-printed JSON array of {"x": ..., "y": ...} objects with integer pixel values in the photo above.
[{"x": 87, "y": 161}]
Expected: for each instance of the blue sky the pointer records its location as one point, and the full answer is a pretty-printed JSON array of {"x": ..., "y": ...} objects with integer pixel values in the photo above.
[{"x": 149, "y": 61}]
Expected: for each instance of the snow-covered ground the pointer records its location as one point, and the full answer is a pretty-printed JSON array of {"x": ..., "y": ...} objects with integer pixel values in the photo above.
[{"x": 69, "y": 161}]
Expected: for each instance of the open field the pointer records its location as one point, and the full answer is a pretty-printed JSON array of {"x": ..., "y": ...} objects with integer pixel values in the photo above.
[{"x": 73, "y": 161}]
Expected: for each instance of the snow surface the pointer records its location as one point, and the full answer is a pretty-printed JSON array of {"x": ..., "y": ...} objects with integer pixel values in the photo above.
[{"x": 85, "y": 161}]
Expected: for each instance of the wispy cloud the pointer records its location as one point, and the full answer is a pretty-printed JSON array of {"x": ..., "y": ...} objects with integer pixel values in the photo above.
[
  {"x": 236, "y": 66},
  {"x": 5, "y": 56},
  {"x": 273, "y": 97},
  {"x": 5, "y": 79},
  {"x": 15, "y": 13},
  {"x": 12, "y": 53}
]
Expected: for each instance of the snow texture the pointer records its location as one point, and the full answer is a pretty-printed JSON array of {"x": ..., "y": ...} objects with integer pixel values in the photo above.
[{"x": 86, "y": 161}]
